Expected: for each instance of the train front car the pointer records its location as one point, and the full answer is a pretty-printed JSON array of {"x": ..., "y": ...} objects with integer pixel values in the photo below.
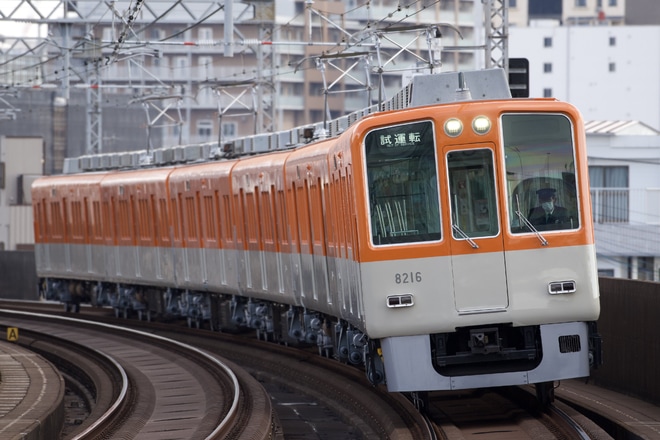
[{"x": 477, "y": 254}]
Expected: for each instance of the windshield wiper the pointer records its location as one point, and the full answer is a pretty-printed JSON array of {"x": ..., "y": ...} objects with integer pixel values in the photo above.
[
  {"x": 465, "y": 236},
  {"x": 527, "y": 223}
]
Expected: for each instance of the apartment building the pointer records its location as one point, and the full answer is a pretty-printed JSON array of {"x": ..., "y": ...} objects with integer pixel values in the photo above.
[{"x": 290, "y": 63}]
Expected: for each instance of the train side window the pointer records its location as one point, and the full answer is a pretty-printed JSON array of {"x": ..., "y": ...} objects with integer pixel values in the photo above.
[
  {"x": 540, "y": 169},
  {"x": 403, "y": 183},
  {"x": 473, "y": 195}
]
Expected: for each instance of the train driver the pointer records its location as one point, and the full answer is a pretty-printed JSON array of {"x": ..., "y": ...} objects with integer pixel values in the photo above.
[{"x": 548, "y": 213}]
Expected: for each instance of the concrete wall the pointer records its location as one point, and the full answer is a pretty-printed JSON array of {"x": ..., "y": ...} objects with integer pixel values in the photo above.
[{"x": 18, "y": 275}]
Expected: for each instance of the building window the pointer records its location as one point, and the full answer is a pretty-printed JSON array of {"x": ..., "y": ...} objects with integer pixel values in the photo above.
[
  {"x": 547, "y": 67},
  {"x": 645, "y": 268},
  {"x": 512, "y": 3},
  {"x": 229, "y": 130},
  {"x": 547, "y": 92},
  {"x": 612, "y": 41},
  {"x": 605, "y": 272},
  {"x": 108, "y": 34},
  {"x": 156, "y": 34},
  {"x": 204, "y": 129},
  {"x": 205, "y": 34},
  {"x": 580, "y": 3},
  {"x": 316, "y": 88},
  {"x": 609, "y": 193},
  {"x": 612, "y": 3},
  {"x": 547, "y": 42},
  {"x": 182, "y": 69},
  {"x": 612, "y": 67},
  {"x": 205, "y": 67}
]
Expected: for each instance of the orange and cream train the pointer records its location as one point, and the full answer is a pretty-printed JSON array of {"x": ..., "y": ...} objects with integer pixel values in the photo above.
[{"x": 410, "y": 242}]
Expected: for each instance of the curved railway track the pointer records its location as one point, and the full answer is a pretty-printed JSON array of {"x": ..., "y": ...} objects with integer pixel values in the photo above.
[
  {"x": 510, "y": 413},
  {"x": 309, "y": 393},
  {"x": 168, "y": 387}
]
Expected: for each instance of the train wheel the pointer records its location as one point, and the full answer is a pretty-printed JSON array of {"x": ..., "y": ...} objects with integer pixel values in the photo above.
[
  {"x": 545, "y": 393},
  {"x": 421, "y": 401}
]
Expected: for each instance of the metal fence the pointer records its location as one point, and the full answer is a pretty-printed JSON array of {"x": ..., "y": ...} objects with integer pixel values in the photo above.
[{"x": 626, "y": 205}]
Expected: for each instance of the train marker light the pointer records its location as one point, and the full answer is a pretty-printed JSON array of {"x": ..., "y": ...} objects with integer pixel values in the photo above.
[
  {"x": 559, "y": 287},
  {"x": 453, "y": 127},
  {"x": 403, "y": 300},
  {"x": 481, "y": 125}
]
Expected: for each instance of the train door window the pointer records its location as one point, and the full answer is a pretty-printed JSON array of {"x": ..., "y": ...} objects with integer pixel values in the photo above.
[
  {"x": 56, "y": 217},
  {"x": 176, "y": 217},
  {"x": 87, "y": 220},
  {"x": 250, "y": 216},
  {"x": 97, "y": 222},
  {"x": 316, "y": 211},
  {"x": 226, "y": 205},
  {"x": 208, "y": 222},
  {"x": 163, "y": 217},
  {"x": 124, "y": 220},
  {"x": 107, "y": 208},
  {"x": 77, "y": 230},
  {"x": 142, "y": 220},
  {"x": 540, "y": 171},
  {"x": 266, "y": 220},
  {"x": 403, "y": 183},
  {"x": 282, "y": 224},
  {"x": 472, "y": 191},
  {"x": 217, "y": 200},
  {"x": 302, "y": 203},
  {"x": 191, "y": 220}
]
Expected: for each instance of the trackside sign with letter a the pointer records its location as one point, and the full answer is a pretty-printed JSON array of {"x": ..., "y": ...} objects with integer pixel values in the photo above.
[{"x": 12, "y": 334}]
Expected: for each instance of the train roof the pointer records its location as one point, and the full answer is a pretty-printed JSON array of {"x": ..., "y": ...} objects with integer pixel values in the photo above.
[{"x": 423, "y": 90}]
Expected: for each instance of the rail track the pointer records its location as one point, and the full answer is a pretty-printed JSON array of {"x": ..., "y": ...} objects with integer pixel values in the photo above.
[
  {"x": 165, "y": 385},
  {"x": 326, "y": 395}
]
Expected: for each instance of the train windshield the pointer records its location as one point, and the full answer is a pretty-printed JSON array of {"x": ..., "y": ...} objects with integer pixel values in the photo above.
[
  {"x": 540, "y": 171},
  {"x": 403, "y": 184}
]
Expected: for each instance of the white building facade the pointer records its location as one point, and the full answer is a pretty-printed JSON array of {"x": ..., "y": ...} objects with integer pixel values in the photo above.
[
  {"x": 608, "y": 72},
  {"x": 624, "y": 165}
]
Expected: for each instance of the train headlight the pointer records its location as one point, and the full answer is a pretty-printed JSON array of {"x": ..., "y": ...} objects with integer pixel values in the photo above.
[
  {"x": 481, "y": 125},
  {"x": 453, "y": 127}
]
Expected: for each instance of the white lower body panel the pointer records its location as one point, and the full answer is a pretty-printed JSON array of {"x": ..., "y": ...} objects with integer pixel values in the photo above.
[{"x": 408, "y": 365}]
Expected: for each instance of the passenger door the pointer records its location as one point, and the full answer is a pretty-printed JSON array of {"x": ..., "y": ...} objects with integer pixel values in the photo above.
[{"x": 477, "y": 248}]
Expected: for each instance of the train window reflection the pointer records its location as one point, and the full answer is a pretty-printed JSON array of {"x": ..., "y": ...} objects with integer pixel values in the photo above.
[
  {"x": 472, "y": 189},
  {"x": 540, "y": 172},
  {"x": 403, "y": 184}
]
